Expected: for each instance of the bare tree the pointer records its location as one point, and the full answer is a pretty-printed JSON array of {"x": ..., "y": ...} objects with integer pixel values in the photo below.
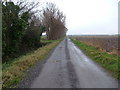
[{"x": 54, "y": 21}]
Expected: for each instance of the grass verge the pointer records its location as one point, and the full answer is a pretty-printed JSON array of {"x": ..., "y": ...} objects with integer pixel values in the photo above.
[
  {"x": 15, "y": 71},
  {"x": 107, "y": 61}
]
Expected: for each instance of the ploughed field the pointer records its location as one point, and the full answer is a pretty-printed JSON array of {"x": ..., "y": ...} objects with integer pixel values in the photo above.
[{"x": 107, "y": 43}]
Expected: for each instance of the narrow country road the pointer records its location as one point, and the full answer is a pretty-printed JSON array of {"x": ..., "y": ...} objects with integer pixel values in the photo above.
[{"x": 68, "y": 67}]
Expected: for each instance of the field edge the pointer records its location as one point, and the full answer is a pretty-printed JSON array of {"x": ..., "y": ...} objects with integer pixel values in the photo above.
[{"x": 107, "y": 61}]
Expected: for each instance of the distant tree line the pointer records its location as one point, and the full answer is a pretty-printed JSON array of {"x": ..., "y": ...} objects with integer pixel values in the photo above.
[{"x": 23, "y": 25}]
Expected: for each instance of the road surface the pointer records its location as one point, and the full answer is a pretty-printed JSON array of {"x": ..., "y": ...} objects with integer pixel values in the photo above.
[{"x": 68, "y": 67}]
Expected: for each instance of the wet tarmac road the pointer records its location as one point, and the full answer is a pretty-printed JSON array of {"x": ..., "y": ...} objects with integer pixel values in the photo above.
[{"x": 68, "y": 67}]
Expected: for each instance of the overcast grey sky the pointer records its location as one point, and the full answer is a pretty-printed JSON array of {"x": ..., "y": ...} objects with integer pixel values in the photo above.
[{"x": 89, "y": 16}]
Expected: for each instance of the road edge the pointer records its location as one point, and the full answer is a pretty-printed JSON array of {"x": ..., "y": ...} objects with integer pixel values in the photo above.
[{"x": 36, "y": 69}]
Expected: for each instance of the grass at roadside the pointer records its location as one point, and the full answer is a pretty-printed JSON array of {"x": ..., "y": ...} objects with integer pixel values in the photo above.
[
  {"x": 16, "y": 70},
  {"x": 108, "y": 61}
]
